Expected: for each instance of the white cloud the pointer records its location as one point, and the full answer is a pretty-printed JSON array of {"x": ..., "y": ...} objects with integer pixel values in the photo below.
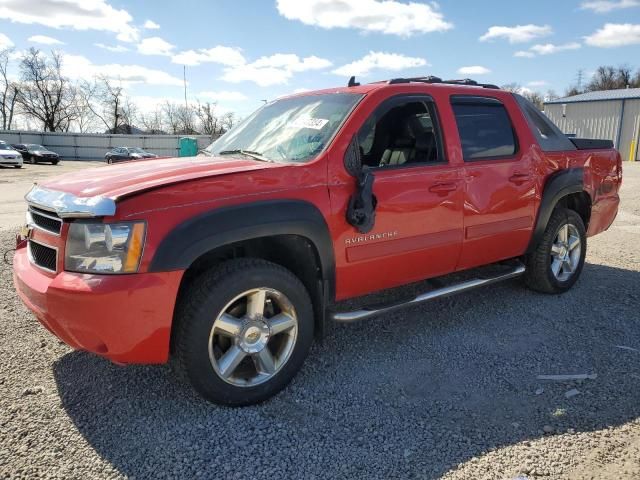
[
  {"x": 72, "y": 14},
  {"x": 615, "y": 35},
  {"x": 112, "y": 48},
  {"x": 474, "y": 70},
  {"x": 265, "y": 71},
  {"x": 224, "y": 96},
  {"x": 380, "y": 16},
  {"x": 219, "y": 54},
  {"x": 550, "y": 48},
  {"x": 517, "y": 34},
  {"x": 546, "y": 49},
  {"x": 538, "y": 83},
  {"x": 43, "y": 39},
  {"x": 273, "y": 70},
  {"x": 151, "y": 25},
  {"x": 605, "y": 6},
  {"x": 79, "y": 67},
  {"x": 380, "y": 61},
  {"x": 5, "y": 42},
  {"x": 155, "y": 46}
]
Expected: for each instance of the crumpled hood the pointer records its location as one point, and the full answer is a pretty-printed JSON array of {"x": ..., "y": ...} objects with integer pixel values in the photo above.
[{"x": 119, "y": 180}]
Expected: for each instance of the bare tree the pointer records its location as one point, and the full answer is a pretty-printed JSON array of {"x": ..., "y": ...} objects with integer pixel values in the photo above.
[
  {"x": 207, "y": 118},
  {"x": 551, "y": 95},
  {"x": 108, "y": 102},
  {"x": 170, "y": 112},
  {"x": 45, "y": 94},
  {"x": 512, "y": 87},
  {"x": 534, "y": 97},
  {"x": 187, "y": 119},
  {"x": 228, "y": 121},
  {"x": 179, "y": 119},
  {"x": 85, "y": 119},
  {"x": 8, "y": 91},
  {"x": 152, "y": 122}
]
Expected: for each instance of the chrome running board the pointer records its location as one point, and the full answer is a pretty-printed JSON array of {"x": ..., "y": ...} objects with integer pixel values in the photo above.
[{"x": 353, "y": 316}]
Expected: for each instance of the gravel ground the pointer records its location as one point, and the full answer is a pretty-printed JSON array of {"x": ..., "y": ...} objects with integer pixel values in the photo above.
[{"x": 448, "y": 389}]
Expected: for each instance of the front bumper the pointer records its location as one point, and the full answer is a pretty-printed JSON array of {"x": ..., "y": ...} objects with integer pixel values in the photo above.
[
  {"x": 11, "y": 161},
  {"x": 125, "y": 318}
]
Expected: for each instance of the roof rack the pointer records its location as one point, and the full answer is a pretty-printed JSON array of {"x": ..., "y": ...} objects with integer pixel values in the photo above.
[{"x": 432, "y": 79}]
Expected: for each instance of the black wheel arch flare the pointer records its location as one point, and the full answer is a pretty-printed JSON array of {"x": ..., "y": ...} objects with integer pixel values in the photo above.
[
  {"x": 223, "y": 226},
  {"x": 559, "y": 185}
]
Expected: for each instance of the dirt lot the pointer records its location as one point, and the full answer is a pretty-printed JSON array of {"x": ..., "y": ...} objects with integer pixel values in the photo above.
[
  {"x": 448, "y": 389},
  {"x": 15, "y": 182}
]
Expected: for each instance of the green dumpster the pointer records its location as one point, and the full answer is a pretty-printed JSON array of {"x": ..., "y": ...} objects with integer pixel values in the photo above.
[{"x": 188, "y": 147}]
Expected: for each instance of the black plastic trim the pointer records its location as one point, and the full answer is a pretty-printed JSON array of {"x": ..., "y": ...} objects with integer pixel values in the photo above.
[
  {"x": 591, "y": 144},
  {"x": 560, "y": 184},
  {"x": 203, "y": 233}
]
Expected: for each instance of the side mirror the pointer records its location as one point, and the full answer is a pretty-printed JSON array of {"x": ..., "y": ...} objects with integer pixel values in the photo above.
[{"x": 361, "y": 212}]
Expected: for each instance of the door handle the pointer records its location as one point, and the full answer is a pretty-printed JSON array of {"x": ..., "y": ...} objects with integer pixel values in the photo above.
[
  {"x": 519, "y": 178},
  {"x": 443, "y": 188}
]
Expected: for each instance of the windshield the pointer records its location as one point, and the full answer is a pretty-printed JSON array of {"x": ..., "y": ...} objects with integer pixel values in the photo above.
[
  {"x": 36, "y": 147},
  {"x": 292, "y": 129},
  {"x": 4, "y": 146}
]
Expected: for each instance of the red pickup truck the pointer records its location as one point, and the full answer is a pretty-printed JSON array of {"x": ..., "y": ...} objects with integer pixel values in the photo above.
[{"x": 231, "y": 262}]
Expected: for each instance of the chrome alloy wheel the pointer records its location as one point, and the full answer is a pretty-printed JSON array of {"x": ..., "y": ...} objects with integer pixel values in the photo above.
[
  {"x": 253, "y": 337},
  {"x": 565, "y": 252}
]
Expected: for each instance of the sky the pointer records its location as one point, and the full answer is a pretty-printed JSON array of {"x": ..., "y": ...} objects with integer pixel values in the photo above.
[{"x": 239, "y": 53}]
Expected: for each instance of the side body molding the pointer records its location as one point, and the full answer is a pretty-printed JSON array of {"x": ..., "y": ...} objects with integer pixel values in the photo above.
[
  {"x": 559, "y": 184},
  {"x": 223, "y": 226}
]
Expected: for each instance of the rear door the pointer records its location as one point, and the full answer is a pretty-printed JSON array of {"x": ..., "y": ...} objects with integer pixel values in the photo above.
[
  {"x": 418, "y": 224},
  {"x": 499, "y": 181}
]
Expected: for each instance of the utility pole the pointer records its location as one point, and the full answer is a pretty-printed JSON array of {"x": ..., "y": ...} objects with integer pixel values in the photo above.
[
  {"x": 184, "y": 77},
  {"x": 580, "y": 79}
]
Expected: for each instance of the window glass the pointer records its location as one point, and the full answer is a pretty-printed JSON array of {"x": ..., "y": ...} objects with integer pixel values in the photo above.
[
  {"x": 402, "y": 134},
  {"x": 485, "y": 130},
  {"x": 549, "y": 137},
  {"x": 292, "y": 129}
]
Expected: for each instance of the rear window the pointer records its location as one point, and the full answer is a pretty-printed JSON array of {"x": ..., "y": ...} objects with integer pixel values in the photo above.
[
  {"x": 484, "y": 127},
  {"x": 549, "y": 137}
]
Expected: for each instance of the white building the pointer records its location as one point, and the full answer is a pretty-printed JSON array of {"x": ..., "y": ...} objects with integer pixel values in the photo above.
[{"x": 607, "y": 114}]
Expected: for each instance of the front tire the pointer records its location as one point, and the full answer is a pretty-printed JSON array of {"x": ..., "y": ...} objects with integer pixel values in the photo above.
[
  {"x": 555, "y": 265},
  {"x": 243, "y": 330}
]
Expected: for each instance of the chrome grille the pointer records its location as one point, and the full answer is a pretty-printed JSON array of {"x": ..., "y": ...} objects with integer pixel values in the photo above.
[
  {"x": 45, "y": 220},
  {"x": 43, "y": 256}
]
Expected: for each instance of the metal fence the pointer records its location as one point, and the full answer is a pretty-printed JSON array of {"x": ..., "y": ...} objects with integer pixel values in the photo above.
[{"x": 93, "y": 146}]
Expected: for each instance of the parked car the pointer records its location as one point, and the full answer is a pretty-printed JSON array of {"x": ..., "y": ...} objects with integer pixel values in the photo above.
[
  {"x": 9, "y": 156},
  {"x": 231, "y": 263},
  {"x": 122, "y": 154},
  {"x": 34, "y": 153}
]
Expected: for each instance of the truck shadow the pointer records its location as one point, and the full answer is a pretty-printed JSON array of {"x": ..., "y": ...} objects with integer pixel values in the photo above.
[{"x": 413, "y": 394}]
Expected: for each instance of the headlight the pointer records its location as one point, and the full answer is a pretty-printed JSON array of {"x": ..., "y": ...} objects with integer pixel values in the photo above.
[{"x": 104, "y": 247}]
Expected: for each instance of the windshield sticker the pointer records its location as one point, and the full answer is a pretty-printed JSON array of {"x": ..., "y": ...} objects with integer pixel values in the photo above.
[{"x": 308, "y": 122}]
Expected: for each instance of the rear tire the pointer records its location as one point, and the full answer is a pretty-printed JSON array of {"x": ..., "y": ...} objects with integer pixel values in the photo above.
[
  {"x": 55, "y": 163},
  {"x": 243, "y": 330},
  {"x": 17, "y": 166},
  {"x": 555, "y": 265}
]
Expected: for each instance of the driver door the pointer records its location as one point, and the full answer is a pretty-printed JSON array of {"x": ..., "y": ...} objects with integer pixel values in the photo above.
[{"x": 418, "y": 225}]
